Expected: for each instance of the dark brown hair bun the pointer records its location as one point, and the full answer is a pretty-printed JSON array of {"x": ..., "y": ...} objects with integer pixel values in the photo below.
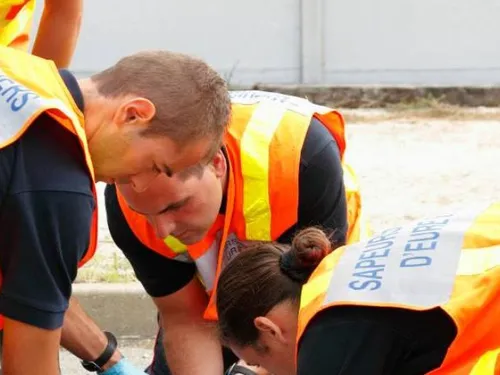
[{"x": 308, "y": 249}]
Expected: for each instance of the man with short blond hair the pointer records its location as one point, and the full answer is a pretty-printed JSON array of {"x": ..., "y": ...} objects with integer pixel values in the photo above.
[
  {"x": 190, "y": 96},
  {"x": 59, "y": 136},
  {"x": 190, "y": 99}
]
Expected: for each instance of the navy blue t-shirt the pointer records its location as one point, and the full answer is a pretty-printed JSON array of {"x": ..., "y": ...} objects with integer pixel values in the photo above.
[{"x": 46, "y": 206}]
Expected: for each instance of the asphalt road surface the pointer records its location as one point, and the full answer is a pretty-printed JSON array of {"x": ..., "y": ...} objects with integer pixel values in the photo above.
[{"x": 138, "y": 353}]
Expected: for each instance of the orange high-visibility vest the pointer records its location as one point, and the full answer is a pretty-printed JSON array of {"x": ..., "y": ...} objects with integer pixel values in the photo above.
[
  {"x": 263, "y": 143},
  {"x": 450, "y": 261},
  {"x": 29, "y": 87},
  {"x": 16, "y": 18}
]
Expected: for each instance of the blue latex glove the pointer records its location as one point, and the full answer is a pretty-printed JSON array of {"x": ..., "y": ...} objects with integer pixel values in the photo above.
[{"x": 123, "y": 367}]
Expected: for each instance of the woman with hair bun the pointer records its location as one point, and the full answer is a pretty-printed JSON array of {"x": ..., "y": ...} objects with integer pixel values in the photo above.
[{"x": 418, "y": 299}]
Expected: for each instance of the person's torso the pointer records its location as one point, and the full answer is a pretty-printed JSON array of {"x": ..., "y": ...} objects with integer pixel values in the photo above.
[
  {"x": 263, "y": 147},
  {"x": 31, "y": 87},
  {"x": 450, "y": 261}
]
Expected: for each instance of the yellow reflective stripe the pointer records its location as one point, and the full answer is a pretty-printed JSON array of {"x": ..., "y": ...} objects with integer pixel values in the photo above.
[
  {"x": 350, "y": 181},
  {"x": 318, "y": 284},
  {"x": 175, "y": 245},
  {"x": 314, "y": 288},
  {"x": 477, "y": 261},
  {"x": 487, "y": 364},
  {"x": 255, "y": 143},
  {"x": 360, "y": 229},
  {"x": 365, "y": 229}
]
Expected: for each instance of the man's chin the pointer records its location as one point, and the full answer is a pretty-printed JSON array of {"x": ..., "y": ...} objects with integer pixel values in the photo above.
[{"x": 192, "y": 238}]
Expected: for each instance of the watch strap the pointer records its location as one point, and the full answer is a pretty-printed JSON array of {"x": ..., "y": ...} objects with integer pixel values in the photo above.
[{"x": 97, "y": 364}]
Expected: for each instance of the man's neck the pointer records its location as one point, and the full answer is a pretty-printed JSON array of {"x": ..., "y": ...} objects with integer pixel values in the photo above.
[{"x": 92, "y": 99}]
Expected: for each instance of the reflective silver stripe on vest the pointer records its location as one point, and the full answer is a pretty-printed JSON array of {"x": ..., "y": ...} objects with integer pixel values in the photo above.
[
  {"x": 17, "y": 105},
  {"x": 413, "y": 265},
  {"x": 292, "y": 103}
]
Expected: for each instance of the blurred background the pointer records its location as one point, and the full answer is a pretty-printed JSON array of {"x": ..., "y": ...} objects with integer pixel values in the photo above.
[{"x": 326, "y": 42}]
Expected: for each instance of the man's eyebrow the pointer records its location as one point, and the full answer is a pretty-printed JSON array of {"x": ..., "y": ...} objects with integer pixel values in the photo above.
[
  {"x": 137, "y": 212},
  {"x": 163, "y": 210}
]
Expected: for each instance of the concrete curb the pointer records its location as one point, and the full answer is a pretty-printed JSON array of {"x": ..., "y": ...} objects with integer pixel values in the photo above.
[
  {"x": 124, "y": 309},
  {"x": 384, "y": 96}
]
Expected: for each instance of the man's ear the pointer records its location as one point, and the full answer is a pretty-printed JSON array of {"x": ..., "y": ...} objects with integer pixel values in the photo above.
[
  {"x": 138, "y": 111},
  {"x": 219, "y": 164},
  {"x": 268, "y": 328}
]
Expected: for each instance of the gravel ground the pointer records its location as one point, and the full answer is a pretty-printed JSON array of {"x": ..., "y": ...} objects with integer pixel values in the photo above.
[
  {"x": 407, "y": 168},
  {"x": 412, "y": 169}
]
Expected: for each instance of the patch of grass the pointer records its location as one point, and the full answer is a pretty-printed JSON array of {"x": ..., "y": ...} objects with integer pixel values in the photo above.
[
  {"x": 106, "y": 268},
  {"x": 423, "y": 109},
  {"x": 427, "y": 102}
]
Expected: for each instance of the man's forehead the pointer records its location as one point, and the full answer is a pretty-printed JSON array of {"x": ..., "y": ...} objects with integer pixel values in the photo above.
[
  {"x": 158, "y": 195},
  {"x": 198, "y": 152},
  {"x": 150, "y": 207}
]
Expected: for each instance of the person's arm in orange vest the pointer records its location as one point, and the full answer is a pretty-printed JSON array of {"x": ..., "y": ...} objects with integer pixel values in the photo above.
[
  {"x": 58, "y": 31},
  {"x": 191, "y": 343}
]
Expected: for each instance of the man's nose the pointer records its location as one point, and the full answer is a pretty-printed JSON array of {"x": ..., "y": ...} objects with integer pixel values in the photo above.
[
  {"x": 163, "y": 226},
  {"x": 141, "y": 181}
]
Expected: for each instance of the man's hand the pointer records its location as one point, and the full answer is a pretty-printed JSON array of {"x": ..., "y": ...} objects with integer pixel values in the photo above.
[
  {"x": 123, "y": 367},
  {"x": 29, "y": 350}
]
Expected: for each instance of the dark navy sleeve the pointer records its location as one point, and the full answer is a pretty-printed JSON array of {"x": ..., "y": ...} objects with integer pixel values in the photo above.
[
  {"x": 45, "y": 219},
  {"x": 322, "y": 200},
  {"x": 159, "y": 275}
]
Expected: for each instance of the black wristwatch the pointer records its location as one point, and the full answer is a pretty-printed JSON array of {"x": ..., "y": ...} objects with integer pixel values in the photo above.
[
  {"x": 96, "y": 366},
  {"x": 236, "y": 369}
]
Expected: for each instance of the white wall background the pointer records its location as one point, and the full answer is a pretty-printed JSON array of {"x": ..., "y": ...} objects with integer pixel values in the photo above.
[{"x": 343, "y": 42}]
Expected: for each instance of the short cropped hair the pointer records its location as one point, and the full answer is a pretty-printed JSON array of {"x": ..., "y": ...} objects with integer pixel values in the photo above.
[{"x": 191, "y": 99}]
